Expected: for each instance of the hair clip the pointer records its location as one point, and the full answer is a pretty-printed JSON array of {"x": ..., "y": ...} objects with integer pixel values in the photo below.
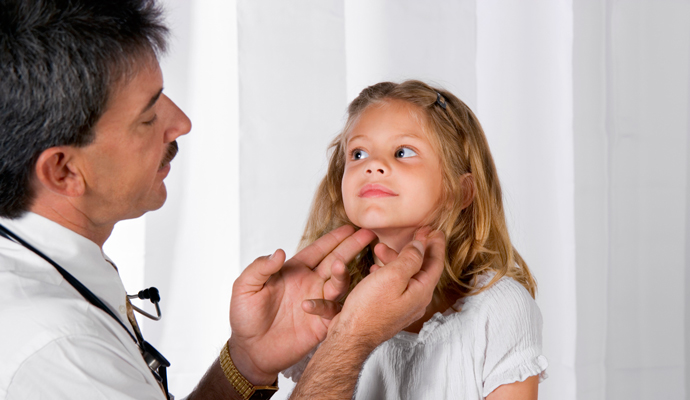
[{"x": 440, "y": 100}]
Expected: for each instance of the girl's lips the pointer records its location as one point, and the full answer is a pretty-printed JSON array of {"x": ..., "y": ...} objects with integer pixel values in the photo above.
[{"x": 374, "y": 190}]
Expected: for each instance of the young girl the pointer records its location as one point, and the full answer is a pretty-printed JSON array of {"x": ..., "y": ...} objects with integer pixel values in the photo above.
[{"x": 412, "y": 155}]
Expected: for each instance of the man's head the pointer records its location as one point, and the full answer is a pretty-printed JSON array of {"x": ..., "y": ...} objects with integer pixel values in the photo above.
[
  {"x": 65, "y": 63},
  {"x": 119, "y": 175}
]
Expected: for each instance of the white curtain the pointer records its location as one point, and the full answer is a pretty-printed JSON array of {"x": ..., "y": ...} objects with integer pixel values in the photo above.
[{"x": 585, "y": 104}]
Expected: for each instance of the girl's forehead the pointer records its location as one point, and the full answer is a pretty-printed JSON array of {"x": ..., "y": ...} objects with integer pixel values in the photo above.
[{"x": 388, "y": 118}]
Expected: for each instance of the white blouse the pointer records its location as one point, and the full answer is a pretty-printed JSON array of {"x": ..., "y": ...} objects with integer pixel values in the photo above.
[{"x": 494, "y": 339}]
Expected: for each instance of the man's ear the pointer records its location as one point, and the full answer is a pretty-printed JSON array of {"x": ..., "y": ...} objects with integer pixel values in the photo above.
[
  {"x": 55, "y": 171},
  {"x": 469, "y": 190}
]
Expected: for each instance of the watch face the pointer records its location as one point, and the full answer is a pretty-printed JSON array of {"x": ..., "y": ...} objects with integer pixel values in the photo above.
[{"x": 263, "y": 394}]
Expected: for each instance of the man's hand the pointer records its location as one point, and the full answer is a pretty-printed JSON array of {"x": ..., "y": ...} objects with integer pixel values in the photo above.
[
  {"x": 395, "y": 295},
  {"x": 270, "y": 330},
  {"x": 383, "y": 303}
]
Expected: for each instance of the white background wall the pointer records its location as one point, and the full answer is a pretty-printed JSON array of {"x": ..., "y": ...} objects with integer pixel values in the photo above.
[{"x": 585, "y": 105}]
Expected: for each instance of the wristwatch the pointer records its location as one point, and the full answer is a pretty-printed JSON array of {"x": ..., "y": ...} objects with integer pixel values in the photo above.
[{"x": 240, "y": 383}]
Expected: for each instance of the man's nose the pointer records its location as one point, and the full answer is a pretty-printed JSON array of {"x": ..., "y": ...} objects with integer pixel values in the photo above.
[{"x": 179, "y": 123}]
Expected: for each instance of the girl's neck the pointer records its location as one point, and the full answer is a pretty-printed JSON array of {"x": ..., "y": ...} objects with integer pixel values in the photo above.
[{"x": 395, "y": 238}]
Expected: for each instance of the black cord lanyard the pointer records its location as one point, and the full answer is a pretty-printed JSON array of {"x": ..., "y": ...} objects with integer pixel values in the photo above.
[{"x": 155, "y": 360}]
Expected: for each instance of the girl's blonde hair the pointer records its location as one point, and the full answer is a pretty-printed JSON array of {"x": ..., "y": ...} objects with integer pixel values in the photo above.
[{"x": 476, "y": 236}]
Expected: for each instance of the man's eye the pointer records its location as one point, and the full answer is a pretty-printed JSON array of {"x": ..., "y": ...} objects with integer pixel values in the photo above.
[
  {"x": 404, "y": 152},
  {"x": 151, "y": 121},
  {"x": 359, "y": 154}
]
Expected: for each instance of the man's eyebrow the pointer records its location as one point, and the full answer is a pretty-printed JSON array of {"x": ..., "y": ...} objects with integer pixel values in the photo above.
[{"x": 153, "y": 101}]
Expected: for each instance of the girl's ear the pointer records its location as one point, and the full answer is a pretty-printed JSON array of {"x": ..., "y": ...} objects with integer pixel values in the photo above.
[
  {"x": 469, "y": 190},
  {"x": 55, "y": 172}
]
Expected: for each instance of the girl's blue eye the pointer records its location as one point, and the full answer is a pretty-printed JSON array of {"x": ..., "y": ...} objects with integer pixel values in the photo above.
[
  {"x": 404, "y": 152},
  {"x": 359, "y": 154}
]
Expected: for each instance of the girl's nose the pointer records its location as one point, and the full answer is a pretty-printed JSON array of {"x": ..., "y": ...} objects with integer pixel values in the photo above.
[{"x": 376, "y": 167}]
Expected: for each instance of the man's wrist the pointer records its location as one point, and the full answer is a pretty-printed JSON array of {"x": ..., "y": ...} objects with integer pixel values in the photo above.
[
  {"x": 246, "y": 367},
  {"x": 333, "y": 370},
  {"x": 246, "y": 389},
  {"x": 359, "y": 348},
  {"x": 350, "y": 333}
]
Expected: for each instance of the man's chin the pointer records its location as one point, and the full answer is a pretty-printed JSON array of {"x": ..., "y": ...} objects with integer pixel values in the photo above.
[
  {"x": 155, "y": 201},
  {"x": 164, "y": 170},
  {"x": 162, "y": 195},
  {"x": 151, "y": 205}
]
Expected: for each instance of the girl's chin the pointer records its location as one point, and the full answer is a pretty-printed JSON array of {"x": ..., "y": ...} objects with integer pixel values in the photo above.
[
  {"x": 392, "y": 231},
  {"x": 395, "y": 238}
]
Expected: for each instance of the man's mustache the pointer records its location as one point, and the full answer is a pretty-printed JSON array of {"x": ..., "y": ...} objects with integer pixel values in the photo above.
[{"x": 170, "y": 153}]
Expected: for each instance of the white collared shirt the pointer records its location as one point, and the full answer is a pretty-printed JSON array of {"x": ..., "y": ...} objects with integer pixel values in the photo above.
[{"x": 53, "y": 343}]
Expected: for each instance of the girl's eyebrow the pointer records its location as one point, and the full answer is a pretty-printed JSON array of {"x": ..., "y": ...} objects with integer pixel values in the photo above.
[
  {"x": 354, "y": 137},
  {"x": 409, "y": 135},
  {"x": 400, "y": 136}
]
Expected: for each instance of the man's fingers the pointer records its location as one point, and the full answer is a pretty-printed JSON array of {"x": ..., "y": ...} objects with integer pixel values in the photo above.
[
  {"x": 385, "y": 253},
  {"x": 323, "y": 246},
  {"x": 257, "y": 273},
  {"x": 409, "y": 261},
  {"x": 434, "y": 260},
  {"x": 345, "y": 251},
  {"x": 323, "y": 308},
  {"x": 336, "y": 287}
]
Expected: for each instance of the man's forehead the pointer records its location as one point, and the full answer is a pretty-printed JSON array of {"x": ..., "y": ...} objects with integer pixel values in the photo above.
[
  {"x": 123, "y": 72},
  {"x": 140, "y": 86},
  {"x": 131, "y": 99}
]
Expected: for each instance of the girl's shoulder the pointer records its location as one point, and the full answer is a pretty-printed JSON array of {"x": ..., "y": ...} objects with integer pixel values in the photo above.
[
  {"x": 509, "y": 332},
  {"x": 505, "y": 288},
  {"x": 504, "y": 300},
  {"x": 504, "y": 307}
]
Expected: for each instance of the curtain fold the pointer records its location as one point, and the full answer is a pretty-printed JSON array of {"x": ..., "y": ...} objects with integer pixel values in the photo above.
[
  {"x": 591, "y": 195},
  {"x": 647, "y": 104}
]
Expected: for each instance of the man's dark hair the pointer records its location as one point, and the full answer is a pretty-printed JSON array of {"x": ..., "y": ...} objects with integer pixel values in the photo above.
[{"x": 59, "y": 62}]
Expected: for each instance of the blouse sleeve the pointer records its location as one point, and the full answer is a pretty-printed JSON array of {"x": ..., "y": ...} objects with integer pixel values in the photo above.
[{"x": 512, "y": 336}]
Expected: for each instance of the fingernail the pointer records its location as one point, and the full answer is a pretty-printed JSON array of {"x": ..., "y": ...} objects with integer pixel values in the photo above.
[
  {"x": 421, "y": 234},
  {"x": 311, "y": 304},
  {"x": 272, "y": 255},
  {"x": 418, "y": 245}
]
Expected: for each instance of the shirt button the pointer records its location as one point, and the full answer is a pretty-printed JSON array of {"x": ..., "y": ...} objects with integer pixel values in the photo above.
[{"x": 123, "y": 310}]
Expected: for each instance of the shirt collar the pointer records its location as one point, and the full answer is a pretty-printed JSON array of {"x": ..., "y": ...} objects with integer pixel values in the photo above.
[{"x": 78, "y": 255}]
